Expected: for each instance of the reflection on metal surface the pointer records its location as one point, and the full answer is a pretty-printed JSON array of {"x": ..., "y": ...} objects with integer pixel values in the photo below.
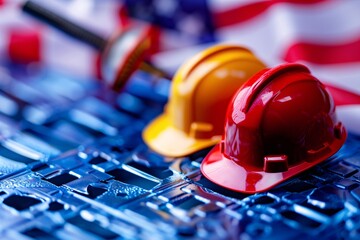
[{"x": 110, "y": 186}]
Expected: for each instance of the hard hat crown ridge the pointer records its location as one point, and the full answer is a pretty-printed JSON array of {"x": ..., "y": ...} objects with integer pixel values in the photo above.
[
  {"x": 200, "y": 93},
  {"x": 280, "y": 122},
  {"x": 193, "y": 64},
  {"x": 265, "y": 77},
  {"x": 199, "y": 81}
]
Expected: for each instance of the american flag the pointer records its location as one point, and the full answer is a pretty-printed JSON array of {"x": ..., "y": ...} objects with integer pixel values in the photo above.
[{"x": 322, "y": 34}]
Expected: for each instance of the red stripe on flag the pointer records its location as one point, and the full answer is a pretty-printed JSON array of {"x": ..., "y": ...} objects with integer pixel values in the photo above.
[
  {"x": 301, "y": 1},
  {"x": 240, "y": 14},
  {"x": 246, "y": 12},
  {"x": 343, "y": 97},
  {"x": 324, "y": 54}
]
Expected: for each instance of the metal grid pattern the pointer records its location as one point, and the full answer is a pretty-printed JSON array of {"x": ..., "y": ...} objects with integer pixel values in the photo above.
[{"x": 73, "y": 166}]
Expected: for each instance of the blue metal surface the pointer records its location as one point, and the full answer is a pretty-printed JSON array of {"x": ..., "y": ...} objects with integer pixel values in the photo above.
[{"x": 73, "y": 166}]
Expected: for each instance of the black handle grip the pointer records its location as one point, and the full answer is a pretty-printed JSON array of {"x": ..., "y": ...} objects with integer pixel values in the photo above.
[{"x": 64, "y": 25}]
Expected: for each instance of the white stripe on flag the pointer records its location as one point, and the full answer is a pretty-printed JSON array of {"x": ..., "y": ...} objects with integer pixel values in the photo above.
[
  {"x": 330, "y": 21},
  {"x": 270, "y": 33},
  {"x": 350, "y": 116},
  {"x": 345, "y": 76}
]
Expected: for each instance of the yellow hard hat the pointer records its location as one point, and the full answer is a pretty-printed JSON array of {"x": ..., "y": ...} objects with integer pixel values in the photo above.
[{"x": 201, "y": 90}]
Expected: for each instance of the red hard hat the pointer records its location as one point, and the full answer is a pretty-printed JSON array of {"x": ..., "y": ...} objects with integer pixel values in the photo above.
[{"x": 280, "y": 123}]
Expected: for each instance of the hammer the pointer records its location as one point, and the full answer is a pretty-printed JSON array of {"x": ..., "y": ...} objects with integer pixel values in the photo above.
[{"x": 121, "y": 55}]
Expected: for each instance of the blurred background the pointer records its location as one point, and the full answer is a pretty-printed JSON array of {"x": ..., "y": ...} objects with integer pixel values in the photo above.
[{"x": 322, "y": 34}]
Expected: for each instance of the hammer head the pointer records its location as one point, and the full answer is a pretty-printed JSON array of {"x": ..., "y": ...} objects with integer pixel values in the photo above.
[{"x": 124, "y": 53}]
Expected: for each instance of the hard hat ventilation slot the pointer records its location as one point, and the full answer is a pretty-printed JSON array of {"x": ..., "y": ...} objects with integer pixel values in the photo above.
[
  {"x": 275, "y": 163},
  {"x": 201, "y": 130},
  {"x": 338, "y": 130},
  {"x": 314, "y": 154}
]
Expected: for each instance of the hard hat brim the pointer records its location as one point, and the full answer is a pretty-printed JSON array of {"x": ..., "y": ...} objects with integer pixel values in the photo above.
[
  {"x": 162, "y": 137},
  {"x": 243, "y": 178}
]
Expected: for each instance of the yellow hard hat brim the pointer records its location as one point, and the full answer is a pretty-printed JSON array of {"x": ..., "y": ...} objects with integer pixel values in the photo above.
[{"x": 162, "y": 137}]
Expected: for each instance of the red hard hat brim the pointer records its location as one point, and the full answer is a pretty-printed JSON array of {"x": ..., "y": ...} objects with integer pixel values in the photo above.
[{"x": 242, "y": 178}]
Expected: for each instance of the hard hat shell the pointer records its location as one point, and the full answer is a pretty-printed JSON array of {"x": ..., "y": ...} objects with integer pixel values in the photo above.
[
  {"x": 280, "y": 123},
  {"x": 201, "y": 90}
]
